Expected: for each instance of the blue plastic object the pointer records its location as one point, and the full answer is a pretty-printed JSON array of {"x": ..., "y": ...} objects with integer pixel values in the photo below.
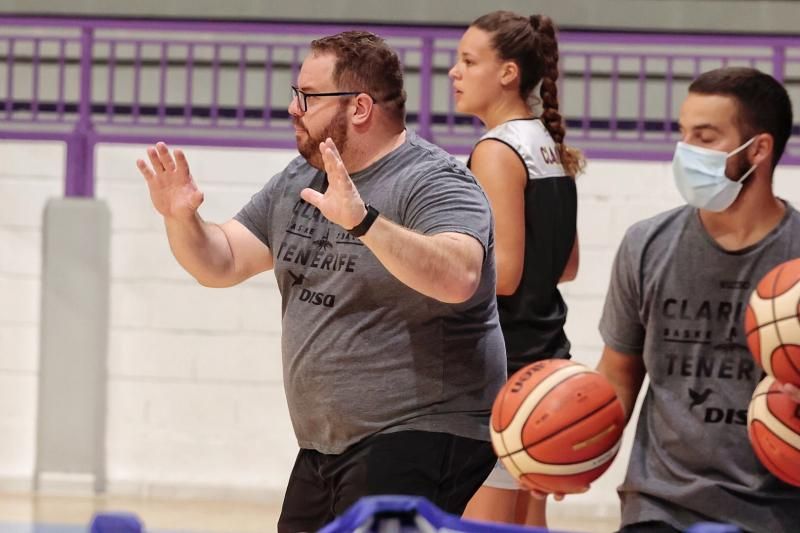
[
  {"x": 713, "y": 527},
  {"x": 407, "y": 514},
  {"x": 414, "y": 514},
  {"x": 115, "y": 523}
]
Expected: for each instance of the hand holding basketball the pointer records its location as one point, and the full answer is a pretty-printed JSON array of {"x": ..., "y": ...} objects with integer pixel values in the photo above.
[
  {"x": 556, "y": 426},
  {"x": 557, "y": 496},
  {"x": 793, "y": 391}
]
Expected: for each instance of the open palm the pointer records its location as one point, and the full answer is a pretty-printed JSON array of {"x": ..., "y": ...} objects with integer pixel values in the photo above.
[
  {"x": 341, "y": 203},
  {"x": 172, "y": 190}
]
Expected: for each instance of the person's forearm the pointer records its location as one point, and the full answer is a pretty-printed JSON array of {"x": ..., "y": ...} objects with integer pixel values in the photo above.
[
  {"x": 627, "y": 391},
  {"x": 626, "y": 386},
  {"x": 571, "y": 268},
  {"x": 445, "y": 267},
  {"x": 202, "y": 249},
  {"x": 626, "y": 379}
]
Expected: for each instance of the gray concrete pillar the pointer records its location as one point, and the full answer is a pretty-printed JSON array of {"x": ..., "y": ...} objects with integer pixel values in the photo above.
[{"x": 74, "y": 343}]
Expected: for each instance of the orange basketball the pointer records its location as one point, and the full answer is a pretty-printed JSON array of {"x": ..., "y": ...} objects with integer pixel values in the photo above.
[
  {"x": 556, "y": 425},
  {"x": 772, "y": 324},
  {"x": 773, "y": 424}
]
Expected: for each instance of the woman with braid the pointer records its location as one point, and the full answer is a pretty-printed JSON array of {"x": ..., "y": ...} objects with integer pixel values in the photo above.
[{"x": 505, "y": 75}]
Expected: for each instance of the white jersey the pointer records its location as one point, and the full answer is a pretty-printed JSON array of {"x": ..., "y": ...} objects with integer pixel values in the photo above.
[{"x": 532, "y": 142}]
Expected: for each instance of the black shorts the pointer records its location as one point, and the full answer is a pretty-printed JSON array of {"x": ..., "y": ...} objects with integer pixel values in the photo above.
[
  {"x": 653, "y": 526},
  {"x": 444, "y": 468}
]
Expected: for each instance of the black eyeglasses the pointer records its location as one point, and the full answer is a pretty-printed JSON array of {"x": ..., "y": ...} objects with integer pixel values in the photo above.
[{"x": 303, "y": 102}]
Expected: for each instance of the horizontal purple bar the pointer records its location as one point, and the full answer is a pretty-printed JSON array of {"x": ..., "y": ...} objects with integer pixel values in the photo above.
[
  {"x": 34, "y": 136},
  {"x": 664, "y": 55},
  {"x": 611, "y": 111},
  {"x": 703, "y": 39},
  {"x": 44, "y": 39},
  {"x": 188, "y": 140},
  {"x": 186, "y": 42}
]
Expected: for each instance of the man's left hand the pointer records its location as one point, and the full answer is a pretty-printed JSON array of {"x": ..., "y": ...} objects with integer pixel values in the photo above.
[
  {"x": 793, "y": 391},
  {"x": 341, "y": 203}
]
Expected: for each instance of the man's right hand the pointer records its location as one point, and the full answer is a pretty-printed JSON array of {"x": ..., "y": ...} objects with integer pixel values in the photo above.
[
  {"x": 793, "y": 391},
  {"x": 172, "y": 189}
]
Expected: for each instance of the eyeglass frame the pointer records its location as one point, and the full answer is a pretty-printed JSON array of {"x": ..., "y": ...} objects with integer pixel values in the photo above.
[{"x": 296, "y": 92}]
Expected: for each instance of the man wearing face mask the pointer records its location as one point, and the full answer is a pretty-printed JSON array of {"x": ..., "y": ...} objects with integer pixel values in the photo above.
[{"x": 674, "y": 311}]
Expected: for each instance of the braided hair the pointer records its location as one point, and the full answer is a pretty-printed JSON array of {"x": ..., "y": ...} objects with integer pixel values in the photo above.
[{"x": 532, "y": 44}]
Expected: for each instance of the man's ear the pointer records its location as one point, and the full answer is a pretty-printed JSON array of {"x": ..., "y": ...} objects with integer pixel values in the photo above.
[
  {"x": 362, "y": 112},
  {"x": 761, "y": 149}
]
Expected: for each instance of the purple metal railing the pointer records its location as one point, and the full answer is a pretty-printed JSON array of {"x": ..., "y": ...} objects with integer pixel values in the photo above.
[{"x": 91, "y": 81}]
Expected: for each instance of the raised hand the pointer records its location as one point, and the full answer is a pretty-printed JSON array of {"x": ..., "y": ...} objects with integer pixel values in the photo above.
[
  {"x": 172, "y": 190},
  {"x": 341, "y": 203}
]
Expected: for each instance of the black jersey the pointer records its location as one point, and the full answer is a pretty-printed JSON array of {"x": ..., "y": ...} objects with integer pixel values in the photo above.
[{"x": 533, "y": 317}]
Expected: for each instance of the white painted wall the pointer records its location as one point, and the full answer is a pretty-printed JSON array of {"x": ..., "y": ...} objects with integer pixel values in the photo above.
[
  {"x": 195, "y": 388},
  {"x": 29, "y": 174},
  {"x": 196, "y": 404}
]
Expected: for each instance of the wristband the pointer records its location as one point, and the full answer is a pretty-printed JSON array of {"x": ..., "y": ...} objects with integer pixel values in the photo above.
[{"x": 363, "y": 227}]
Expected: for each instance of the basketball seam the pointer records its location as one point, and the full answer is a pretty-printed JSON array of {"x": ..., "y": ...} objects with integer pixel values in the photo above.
[
  {"x": 777, "y": 329},
  {"x": 568, "y": 469},
  {"x": 766, "y": 459},
  {"x": 564, "y": 428},
  {"x": 788, "y": 358},
  {"x": 502, "y": 432},
  {"x": 765, "y": 422},
  {"x": 545, "y": 395},
  {"x": 771, "y": 322},
  {"x": 516, "y": 411},
  {"x": 772, "y": 305},
  {"x": 517, "y": 466}
]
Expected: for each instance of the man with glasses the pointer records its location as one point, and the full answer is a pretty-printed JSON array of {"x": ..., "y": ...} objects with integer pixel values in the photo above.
[{"x": 382, "y": 246}]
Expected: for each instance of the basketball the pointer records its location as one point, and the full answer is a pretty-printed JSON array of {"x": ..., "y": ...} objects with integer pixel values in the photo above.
[
  {"x": 773, "y": 424},
  {"x": 556, "y": 425},
  {"x": 772, "y": 324}
]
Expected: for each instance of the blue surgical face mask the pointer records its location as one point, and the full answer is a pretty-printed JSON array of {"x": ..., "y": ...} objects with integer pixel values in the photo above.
[{"x": 700, "y": 176}]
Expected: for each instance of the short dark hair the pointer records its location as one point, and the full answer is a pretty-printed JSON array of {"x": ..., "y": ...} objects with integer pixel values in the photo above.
[
  {"x": 364, "y": 62},
  {"x": 763, "y": 103}
]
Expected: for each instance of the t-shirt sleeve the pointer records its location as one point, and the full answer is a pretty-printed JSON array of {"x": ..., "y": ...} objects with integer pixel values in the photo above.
[
  {"x": 255, "y": 215},
  {"x": 449, "y": 200},
  {"x": 621, "y": 325}
]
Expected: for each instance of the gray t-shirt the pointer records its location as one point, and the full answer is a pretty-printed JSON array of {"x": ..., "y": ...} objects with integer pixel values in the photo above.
[
  {"x": 678, "y": 300},
  {"x": 362, "y": 352}
]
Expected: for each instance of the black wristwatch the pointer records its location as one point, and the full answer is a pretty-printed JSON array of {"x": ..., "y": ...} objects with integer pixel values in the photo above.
[{"x": 364, "y": 225}]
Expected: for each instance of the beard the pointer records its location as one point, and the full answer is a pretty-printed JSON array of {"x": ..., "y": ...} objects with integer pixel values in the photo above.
[
  {"x": 336, "y": 129},
  {"x": 740, "y": 167}
]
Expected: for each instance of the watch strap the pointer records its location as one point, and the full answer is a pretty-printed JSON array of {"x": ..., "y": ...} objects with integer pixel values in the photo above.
[{"x": 363, "y": 227}]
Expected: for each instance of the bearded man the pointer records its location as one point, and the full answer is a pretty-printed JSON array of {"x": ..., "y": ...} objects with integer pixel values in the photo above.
[{"x": 383, "y": 249}]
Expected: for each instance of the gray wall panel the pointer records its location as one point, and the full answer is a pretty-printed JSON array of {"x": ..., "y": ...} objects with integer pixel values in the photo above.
[
  {"x": 74, "y": 339},
  {"x": 764, "y": 16}
]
